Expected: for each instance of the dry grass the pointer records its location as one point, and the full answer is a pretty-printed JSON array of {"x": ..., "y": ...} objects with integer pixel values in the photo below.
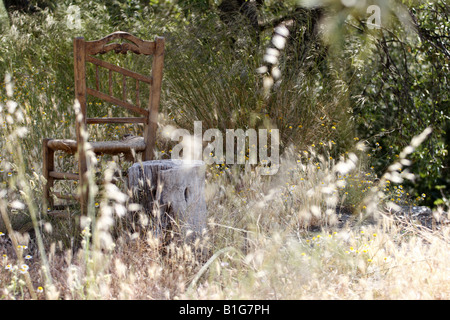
[
  {"x": 381, "y": 261},
  {"x": 268, "y": 237}
]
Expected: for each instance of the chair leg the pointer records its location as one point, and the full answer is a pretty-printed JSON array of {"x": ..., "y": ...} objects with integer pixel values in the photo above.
[
  {"x": 84, "y": 193},
  {"x": 83, "y": 181},
  {"x": 48, "y": 165}
]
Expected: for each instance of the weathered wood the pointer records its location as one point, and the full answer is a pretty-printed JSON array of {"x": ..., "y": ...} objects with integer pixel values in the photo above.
[
  {"x": 80, "y": 73},
  {"x": 64, "y": 175},
  {"x": 115, "y": 147},
  {"x": 79, "y": 53},
  {"x": 48, "y": 165},
  {"x": 66, "y": 145},
  {"x": 171, "y": 193},
  {"x": 116, "y": 120},
  {"x": 108, "y": 147},
  {"x": 138, "y": 46},
  {"x": 113, "y": 67},
  {"x": 155, "y": 94}
]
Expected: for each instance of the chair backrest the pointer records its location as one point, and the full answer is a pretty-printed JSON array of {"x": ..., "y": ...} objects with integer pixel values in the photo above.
[{"x": 85, "y": 52}]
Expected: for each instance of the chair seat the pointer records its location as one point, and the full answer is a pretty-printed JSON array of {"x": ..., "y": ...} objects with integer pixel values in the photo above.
[{"x": 108, "y": 147}]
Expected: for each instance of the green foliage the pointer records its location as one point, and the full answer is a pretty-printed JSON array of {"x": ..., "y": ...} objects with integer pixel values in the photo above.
[
  {"x": 4, "y": 19},
  {"x": 189, "y": 6},
  {"x": 395, "y": 77},
  {"x": 403, "y": 89}
]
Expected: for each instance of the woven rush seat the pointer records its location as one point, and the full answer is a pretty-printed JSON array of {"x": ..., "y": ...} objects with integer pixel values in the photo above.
[{"x": 111, "y": 147}]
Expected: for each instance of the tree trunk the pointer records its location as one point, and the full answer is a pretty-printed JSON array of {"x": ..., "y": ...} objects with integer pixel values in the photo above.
[{"x": 171, "y": 193}]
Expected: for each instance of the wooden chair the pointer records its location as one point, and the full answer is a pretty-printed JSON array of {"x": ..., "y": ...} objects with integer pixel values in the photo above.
[{"x": 85, "y": 52}]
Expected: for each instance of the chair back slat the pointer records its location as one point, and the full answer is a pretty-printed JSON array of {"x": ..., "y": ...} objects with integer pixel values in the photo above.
[
  {"x": 118, "y": 69},
  {"x": 116, "y": 101},
  {"x": 116, "y": 120}
]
